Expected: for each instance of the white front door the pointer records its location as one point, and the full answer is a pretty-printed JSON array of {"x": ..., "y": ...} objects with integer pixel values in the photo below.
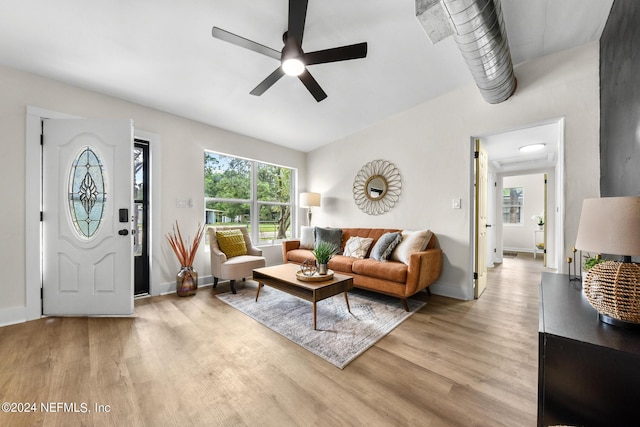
[{"x": 87, "y": 206}]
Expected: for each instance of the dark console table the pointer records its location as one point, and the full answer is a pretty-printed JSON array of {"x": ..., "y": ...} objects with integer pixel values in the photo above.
[{"x": 588, "y": 371}]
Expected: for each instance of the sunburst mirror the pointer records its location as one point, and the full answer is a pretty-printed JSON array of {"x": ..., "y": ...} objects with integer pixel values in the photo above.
[{"x": 377, "y": 187}]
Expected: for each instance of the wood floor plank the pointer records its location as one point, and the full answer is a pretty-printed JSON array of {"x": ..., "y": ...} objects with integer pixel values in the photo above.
[{"x": 198, "y": 361}]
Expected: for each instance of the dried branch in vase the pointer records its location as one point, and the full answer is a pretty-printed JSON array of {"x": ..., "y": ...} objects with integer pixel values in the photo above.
[{"x": 185, "y": 252}]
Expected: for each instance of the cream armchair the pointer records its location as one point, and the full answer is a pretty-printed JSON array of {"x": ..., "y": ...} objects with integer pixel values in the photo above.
[{"x": 237, "y": 267}]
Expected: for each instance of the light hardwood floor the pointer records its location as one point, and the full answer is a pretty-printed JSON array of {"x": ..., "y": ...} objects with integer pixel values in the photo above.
[{"x": 197, "y": 361}]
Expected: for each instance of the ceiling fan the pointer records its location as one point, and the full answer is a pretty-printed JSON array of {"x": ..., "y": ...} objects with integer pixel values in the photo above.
[{"x": 293, "y": 60}]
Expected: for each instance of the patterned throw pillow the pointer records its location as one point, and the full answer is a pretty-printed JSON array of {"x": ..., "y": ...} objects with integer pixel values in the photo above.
[
  {"x": 231, "y": 242},
  {"x": 385, "y": 246},
  {"x": 412, "y": 241},
  {"x": 357, "y": 247}
]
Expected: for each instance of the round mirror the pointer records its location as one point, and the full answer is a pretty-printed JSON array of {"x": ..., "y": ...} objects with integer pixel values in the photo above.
[{"x": 376, "y": 187}]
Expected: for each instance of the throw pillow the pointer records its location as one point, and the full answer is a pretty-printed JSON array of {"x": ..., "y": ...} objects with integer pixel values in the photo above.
[
  {"x": 307, "y": 240},
  {"x": 330, "y": 235},
  {"x": 357, "y": 247},
  {"x": 231, "y": 242},
  {"x": 385, "y": 245},
  {"x": 412, "y": 241}
]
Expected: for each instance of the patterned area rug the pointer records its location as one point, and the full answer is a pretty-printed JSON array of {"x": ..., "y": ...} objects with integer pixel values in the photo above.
[
  {"x": 507, "y": 254},
  {"x": 341, "y": 336}
]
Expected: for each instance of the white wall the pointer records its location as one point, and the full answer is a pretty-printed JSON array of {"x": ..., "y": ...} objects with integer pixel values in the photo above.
[
  {"x": 182, "y": 144},
  {"x": 430, "y": 145},
  {"x": 519, "y": 237}
]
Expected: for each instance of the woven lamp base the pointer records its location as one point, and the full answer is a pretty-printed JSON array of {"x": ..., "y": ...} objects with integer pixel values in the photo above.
[{"x": 613, "y": 289}]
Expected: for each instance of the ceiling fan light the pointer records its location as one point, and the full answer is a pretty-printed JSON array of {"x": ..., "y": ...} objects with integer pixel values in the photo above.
[
  {"x": 532, "y": 147},
  {"x": 293, "y": 67}
]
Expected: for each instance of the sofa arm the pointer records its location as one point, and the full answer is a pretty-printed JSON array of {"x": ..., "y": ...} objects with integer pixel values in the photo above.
[
  {"x": 424, "y": 269},
  {"x": 289, "y": 245},
  {"x": 252, "y": 250}
]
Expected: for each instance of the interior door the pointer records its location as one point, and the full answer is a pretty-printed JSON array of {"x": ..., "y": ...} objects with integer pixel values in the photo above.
[
  {"x": 546, "y": 223},
  {"x": 481, "y": 220},
  {"x": 87, "y": 206}
]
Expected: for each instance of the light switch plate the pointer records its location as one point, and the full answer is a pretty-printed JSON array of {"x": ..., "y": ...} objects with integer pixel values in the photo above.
[
  {"x": 457, "y": 203},
  {"x": 183, "y": 203}
]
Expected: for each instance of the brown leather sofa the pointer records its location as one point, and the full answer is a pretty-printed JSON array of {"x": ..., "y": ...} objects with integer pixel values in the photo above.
[{"x": 389, "y": 277}]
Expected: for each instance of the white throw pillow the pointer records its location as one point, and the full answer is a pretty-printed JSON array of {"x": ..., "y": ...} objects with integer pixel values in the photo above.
[
  {"x": 307, "y": 239},
  {"x": 357, "y": 247},
  {"x": 412, "y": 241}
]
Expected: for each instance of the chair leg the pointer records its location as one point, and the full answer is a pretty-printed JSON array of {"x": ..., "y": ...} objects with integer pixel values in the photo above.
[
  {"x": 404, "y": 303},
  {"x": 215, "y": 282},
  {"x": 232, "y": 285},
  {"x": 428, "y": 291}
]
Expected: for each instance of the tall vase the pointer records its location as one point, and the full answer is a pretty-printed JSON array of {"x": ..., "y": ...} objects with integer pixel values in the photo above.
[{"x": 186, "y": 282}]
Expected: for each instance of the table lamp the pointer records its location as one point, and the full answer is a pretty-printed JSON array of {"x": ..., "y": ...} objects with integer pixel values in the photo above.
[
  {"x": 309, "y": 200},
  {"x": 611, "y": 225}
]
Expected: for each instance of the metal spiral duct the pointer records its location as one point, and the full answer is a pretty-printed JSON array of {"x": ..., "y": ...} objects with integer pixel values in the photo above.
[{"x": 479, "y": 32}]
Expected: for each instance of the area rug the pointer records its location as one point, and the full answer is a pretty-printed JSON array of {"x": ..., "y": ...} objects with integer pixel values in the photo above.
[{"x": 340, "y": 336}]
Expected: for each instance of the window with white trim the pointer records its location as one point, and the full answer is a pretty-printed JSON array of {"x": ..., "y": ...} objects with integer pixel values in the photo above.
[
  {"x": 512, "y": 202},
  {"x": 247, "y": 192}
]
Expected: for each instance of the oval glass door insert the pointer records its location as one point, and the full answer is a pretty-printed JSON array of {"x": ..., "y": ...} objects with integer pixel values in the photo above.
[{"x": 87, "y": 194}]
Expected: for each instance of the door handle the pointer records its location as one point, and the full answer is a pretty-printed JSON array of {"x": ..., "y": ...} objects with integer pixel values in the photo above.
[
  {"x": 123, "y": 232},
  {"x": 488, "y": 225}
]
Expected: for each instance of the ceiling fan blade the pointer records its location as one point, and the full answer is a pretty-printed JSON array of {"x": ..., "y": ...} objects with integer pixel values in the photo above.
[
  {"x": 312, "y": 85},
  {"x": 343, "y": 53},
  {"x": 268, "y": 82},
  {"x": 297, "y": 17},
  {"x": 221, "y": 34}
]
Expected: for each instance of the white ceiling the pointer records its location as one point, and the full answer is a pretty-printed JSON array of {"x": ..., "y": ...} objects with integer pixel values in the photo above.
[
  {"x": 160, "y": 53},
  {"x": 503, "y": 149}
]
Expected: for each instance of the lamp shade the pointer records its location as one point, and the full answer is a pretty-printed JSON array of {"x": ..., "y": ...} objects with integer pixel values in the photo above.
[
  {"x": 308, "y": 200},
  {"x": 610, "y": 225}
]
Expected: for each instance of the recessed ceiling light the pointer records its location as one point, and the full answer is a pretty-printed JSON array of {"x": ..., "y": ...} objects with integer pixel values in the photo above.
[{"x": 531, "y": 147}]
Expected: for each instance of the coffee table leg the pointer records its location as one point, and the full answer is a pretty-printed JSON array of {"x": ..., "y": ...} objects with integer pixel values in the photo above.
[
  {"x": 258, "y": 291},
  {"x": 346, "y": 298},
  {"x": 314, "y": 315}
]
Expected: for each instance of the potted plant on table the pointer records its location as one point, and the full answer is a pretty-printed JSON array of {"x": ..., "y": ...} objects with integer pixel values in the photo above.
[
  {"x": 590, "y": 262},
  {"x": 323, "y": 252},
  {"x": 539, "y": 220},
  {"x": 187, "y": 277}
]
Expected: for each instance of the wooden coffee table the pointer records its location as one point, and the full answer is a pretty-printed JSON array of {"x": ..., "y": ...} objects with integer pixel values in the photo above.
[{"x": 283, "y": 278}]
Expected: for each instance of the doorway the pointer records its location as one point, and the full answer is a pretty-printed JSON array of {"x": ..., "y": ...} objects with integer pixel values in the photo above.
[
  {"x": 33, "y": 205},
  {"x": 140, "y": 228},
  {"x": 506, "y": 157}
]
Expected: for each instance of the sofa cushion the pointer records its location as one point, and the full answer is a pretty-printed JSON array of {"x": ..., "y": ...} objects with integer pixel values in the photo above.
[
  {"x": 300, "y": 255},
  {"x": 231, "y": 242},
  {"x": 341, "y": 263},
  {"x": 357, "y": 247},
  {"x": 412, "y": 241},
  {"x": 307, "y": 238},
  {"x": 385, "y": 246},
  {"x": 373, "y": 233},
  {"x": 392, "y": 270},
  {"x": 329, "y": 235}
]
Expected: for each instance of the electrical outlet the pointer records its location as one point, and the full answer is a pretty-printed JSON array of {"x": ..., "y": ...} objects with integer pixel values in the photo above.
[{"x": 457, "y": 203}]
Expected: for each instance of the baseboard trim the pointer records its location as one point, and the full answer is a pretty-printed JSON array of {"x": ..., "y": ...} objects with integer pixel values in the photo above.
[
  {"x": 450, "y": 291},
  {"x": 12, "y": 315}
]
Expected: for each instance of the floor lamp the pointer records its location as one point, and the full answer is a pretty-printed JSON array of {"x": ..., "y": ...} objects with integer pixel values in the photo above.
[{"x": 309, "y": 200}]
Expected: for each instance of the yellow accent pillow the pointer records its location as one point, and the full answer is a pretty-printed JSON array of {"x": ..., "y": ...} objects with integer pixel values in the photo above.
[{"x": 231, "y": 242}]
